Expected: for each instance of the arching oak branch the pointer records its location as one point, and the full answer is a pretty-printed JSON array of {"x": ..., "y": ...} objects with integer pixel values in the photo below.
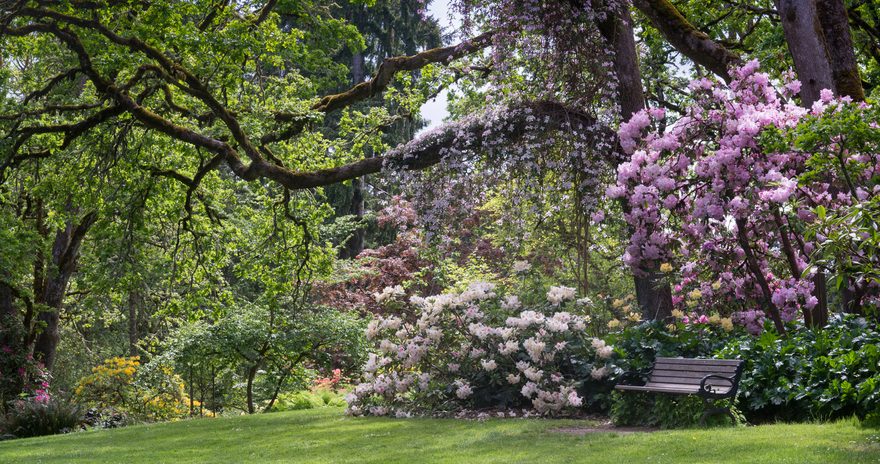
[
  {"x": 686, "y": 38},
  {"x": 393, "y": 65}
]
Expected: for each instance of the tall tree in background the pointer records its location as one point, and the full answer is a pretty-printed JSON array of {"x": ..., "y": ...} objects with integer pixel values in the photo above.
[{"x": 390, "y": 28}]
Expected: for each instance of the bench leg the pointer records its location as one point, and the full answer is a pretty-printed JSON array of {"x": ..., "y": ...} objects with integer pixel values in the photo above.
[{"x": 711, "y": 411}]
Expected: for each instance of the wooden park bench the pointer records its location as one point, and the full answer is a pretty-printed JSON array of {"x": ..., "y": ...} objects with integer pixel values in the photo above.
[{"x": 710, "y": 379}]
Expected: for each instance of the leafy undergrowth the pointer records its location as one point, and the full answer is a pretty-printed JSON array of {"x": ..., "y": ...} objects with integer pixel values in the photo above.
[{"x": 326, "y": 435}]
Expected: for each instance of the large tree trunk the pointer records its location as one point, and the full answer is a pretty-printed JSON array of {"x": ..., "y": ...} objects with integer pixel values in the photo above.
[
  {"x": 847, "y": 82},
  {"x": 355, "y": 244},
  {"x": 819, "y": 39},
  {"x": 8, "y": 311},
  {"x": 809, "y": 51},
  {"x": 806, "y": 41},
  {"x": 65, "y": 253},
  {"x": 844, "y": 67},
  {"x": 653, "y": 295}
]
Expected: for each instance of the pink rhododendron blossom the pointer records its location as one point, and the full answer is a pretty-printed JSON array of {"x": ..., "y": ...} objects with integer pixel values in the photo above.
[{"x": 705, "y": 190}]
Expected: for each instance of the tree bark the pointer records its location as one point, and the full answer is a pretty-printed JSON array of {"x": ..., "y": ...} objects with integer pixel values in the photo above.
[
  {"x": 686, "y": 38},
  {"x": 12, "y": 336},
  {"x": 251, "y": 374},
  {"x": 65, "y": 253},
  {"x": 844, "y": 67},
  {"x": 752, "y": 263},
  {"x": 8, "y": 311},
  {"x": 653, "y": 295},
  {"x": 806, "y": 42},
  {"x": 819, "y": 39},
  {"x": 133, "y": 314},
  {"x": 355, "y": 244}
]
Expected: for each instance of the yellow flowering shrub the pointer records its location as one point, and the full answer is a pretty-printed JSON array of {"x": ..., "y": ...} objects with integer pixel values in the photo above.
[
  {"x": 123, "y": 384},
  {"x": 109, "y": 383}
]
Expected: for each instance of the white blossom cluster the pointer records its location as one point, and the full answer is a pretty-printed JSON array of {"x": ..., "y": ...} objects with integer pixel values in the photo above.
[
  {"x": 453, "y": 353},
  {"x": 389, "y": 293}
]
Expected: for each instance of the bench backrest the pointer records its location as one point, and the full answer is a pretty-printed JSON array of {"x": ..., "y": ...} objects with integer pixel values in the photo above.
[{"x": 685, "y": 371}]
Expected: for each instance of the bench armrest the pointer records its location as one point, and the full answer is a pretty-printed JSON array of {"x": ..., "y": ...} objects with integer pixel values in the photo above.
[{"x": 706, "y": 389}]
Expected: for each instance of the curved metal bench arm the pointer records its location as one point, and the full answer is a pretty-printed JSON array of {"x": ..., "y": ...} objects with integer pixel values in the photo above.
[{"x": 707, "y": 390}]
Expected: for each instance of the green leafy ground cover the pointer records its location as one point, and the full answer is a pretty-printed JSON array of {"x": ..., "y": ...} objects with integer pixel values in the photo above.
[{"x": 325, "y": 435}]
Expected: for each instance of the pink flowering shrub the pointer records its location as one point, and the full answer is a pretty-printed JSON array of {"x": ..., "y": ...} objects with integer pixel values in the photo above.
[
  {"x": 478, "y": 349},
  {"x": 332, "y": 383},
  {"x": 21, "y": 374},
  {"x": 719, "y": 197}
]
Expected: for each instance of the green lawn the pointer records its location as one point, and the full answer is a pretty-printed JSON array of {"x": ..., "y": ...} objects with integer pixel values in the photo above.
[{"x": 326, "y": 435}]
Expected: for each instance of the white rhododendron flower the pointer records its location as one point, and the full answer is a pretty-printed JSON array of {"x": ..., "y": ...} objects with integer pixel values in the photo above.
[
  {"x": 392, "y": 323},
  {"x": 387, "y": 346},
  {"x": 529, "y": 389},
  {"x": 525, "y": 319},
  {"x": 599, "y": 373},
  {"x": 463, "y": 389},
  {"x": 535, "y": 348},
  {"x": 511, "y": 303},
  {"x": 434, "y": 334},
  {"x": 557, "y": 295},
  {"x": 508, "y": 347},
  {"x": 489, "y": 365},
  {"x": 480, "y": 331},
  {"x": 372, "y": 329},
  {"x": 477, "y": 291},
  {"x": 559, "y": 322},
  {"x": 533, "y": 374},
  {"x": 521, "y": 267},
  {"x": 424, "y": 380},
  {"x": 388, "y": 294}
]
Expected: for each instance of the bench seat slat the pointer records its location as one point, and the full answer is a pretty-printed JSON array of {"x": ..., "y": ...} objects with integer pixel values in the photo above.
[
  {"x": 684, "y": 388},
  {"x": 663, "y": 372},
  {"x": 687, "y": 380},
  {"x": 698, "y": 362},
  {"x": 669, "y": 388},
  {"x": 685, "y": 369},
  {"x": 647, "y": 388}
]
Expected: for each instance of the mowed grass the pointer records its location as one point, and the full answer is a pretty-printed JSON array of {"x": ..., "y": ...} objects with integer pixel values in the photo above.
[{"x": 327, "y": 436}]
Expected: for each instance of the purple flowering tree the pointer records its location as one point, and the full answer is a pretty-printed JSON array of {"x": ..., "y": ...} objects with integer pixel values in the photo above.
[{"x": 711, "y": 195}]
